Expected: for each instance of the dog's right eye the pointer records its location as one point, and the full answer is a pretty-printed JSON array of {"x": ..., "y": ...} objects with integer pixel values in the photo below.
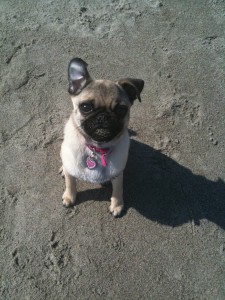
[{"x": 86, "y": 107}]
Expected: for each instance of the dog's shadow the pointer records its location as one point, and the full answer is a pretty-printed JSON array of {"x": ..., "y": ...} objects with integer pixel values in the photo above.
[{"x": 166, "y": 192}]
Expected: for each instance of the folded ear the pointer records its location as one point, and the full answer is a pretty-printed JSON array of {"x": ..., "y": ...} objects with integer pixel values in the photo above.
[
  {"x": 132, "y": 87},
  {"x": 78, "y": 75}
]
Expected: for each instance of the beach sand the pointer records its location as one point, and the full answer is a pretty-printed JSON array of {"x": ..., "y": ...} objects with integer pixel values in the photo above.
[{"x": 170, "y": 242}]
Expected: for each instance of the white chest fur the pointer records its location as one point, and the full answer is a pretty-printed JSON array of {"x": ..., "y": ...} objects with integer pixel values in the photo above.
[{"x": 74, "y": 153}]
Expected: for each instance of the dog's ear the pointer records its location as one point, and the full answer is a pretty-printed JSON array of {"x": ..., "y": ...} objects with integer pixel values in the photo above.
[
  {"x": 78, "y": 75},
  {"x": 132, "y": 87}
]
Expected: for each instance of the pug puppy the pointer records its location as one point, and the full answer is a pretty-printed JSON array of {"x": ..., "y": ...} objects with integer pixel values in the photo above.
[{"x": 96, "y": 140}]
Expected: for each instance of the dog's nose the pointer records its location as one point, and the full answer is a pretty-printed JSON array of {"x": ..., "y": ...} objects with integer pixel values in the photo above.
[{"x": 102, "y": 118}]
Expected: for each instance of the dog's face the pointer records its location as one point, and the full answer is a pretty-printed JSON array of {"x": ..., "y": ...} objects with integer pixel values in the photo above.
[
  {"x": 101, "y": 106},
  {"x": 101, "y": 110}
]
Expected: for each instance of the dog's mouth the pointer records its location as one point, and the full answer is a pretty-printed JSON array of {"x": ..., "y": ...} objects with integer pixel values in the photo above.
[{"x": 102, "y": 135}]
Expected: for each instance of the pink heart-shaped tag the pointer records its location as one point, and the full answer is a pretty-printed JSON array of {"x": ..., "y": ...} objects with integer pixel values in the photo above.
[{"x": 91, "y": 164}]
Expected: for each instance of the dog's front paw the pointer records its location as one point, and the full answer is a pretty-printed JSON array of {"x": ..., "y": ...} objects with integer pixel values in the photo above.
[
  {"x": 68, "y": 200},
  {"x": 116, "y": 207}
]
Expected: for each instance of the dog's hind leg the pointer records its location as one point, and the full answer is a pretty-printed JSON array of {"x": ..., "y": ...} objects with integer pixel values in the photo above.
[{"x": 61, "y": 172}]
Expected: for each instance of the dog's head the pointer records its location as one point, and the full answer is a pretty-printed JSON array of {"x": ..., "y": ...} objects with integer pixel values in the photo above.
[{"x": 101, "y": 106}]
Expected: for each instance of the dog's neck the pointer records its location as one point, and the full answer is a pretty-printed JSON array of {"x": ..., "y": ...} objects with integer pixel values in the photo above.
[
  {"x": 102, "y": 151},
  {"x": 98, "y": 149}
]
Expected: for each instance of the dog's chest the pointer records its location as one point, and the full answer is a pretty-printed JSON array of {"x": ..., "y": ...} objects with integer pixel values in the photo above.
[
  {"x": 98, "y": 173},
  {"x": 83, "y": 164},
  {"x": 102, "y": 172}
]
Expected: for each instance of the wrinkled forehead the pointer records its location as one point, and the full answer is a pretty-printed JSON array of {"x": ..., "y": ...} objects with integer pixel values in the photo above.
[{"x": 103, "y": 93}]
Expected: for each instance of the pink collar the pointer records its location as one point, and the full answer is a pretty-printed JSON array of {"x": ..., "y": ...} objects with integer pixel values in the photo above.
[{"x": 102, "y": 151}]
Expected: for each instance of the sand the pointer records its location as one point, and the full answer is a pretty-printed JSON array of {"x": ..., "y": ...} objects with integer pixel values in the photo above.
[{"x": 169, "y": 243}]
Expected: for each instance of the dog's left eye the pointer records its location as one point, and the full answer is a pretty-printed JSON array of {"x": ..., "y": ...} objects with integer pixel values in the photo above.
[
  {"x": 121, "y": 110},
  {"x": 86, "y": 107}
]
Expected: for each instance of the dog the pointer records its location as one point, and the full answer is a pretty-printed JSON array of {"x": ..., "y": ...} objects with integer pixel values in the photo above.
[{"x": 96, "y": 140}]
